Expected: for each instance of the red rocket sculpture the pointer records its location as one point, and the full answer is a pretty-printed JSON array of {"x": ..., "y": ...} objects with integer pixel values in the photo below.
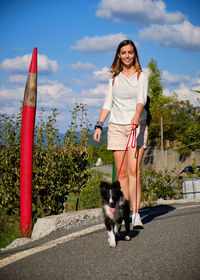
[{"x": 26, "y": 153}]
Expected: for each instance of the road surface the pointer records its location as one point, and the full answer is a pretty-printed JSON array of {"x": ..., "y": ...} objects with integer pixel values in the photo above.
[{"x": 167, "y": 248}]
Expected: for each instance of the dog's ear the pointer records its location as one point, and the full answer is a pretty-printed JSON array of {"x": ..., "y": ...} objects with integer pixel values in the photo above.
[
  {"x": 117, "y": 186},
  {"x": 104, "y": 186}
]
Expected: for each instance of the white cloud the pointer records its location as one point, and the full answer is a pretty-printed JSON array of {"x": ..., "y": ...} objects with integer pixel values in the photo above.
[
  {"x": 184, "y": 35},
  {"x": 54, "y": 94},
  {"x": 21, "y": 64},
  {"x": 11, "y": 94},
  {"x": 170, "y": 78},
  {"x": 100, "y": 90},
  {"x": 102, "y": 75},
  {"x": 186, "y": 87},
  {"x": 91, "y": 101},
  {"x": 139, "y": 11},
  {"x": 50, "y": 95},
  {"x": 104, "y": 44},
  {"x": 46, "y": 65},
  {"x": 7, "y": 110},
  {"x": 94, "y": 96},
  {"x": 83, "y": 66},
  {"x": 186, "y": 93},
  {"x": 17, "y": 79}
]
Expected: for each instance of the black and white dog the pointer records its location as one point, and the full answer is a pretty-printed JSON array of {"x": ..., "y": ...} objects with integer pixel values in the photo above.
[{"x": 115, "y": 209}]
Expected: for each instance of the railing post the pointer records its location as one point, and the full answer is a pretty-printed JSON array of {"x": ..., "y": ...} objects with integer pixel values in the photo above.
[
  {"x": 114, "y": 173},
  {"x": 162, "y": 146}
]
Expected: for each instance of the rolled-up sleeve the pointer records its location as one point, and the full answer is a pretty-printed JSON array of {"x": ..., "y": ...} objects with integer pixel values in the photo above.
[
  {"x": 142, "y": 89},
  {"x": 108, "y": 103}
]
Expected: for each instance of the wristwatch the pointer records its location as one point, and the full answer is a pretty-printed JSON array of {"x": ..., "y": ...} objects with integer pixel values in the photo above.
[{"x": 99, "y": 125}]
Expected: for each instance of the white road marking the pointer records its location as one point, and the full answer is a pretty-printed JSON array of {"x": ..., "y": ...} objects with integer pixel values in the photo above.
[{"x": 18, "y": 256}]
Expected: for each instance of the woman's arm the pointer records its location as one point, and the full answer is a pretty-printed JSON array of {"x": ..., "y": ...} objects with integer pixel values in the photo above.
[
  {"x": 102, "y": 118},
  {"x": 141, "y": 97},
  {"x": 105, "y": 111},
  {"x": 136, "y": 117}
]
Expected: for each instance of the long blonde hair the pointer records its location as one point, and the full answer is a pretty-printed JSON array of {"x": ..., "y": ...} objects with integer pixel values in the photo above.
[{"x": 116, "y": 66}]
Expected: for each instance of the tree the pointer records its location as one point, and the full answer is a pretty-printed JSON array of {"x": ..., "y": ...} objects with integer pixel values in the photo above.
[
  {"x": 192, "y": 136},
  {"x": 159, "y": 102},
  {"x": 155, "y": 85},
  {"x": 181, "y": 114},
  {"x": 178, "y": 115}
]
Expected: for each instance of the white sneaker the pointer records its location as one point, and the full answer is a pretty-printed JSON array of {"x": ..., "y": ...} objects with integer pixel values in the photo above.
[
  {"x": 137, "y": 221},
  {"x": 133, "y": 220}
]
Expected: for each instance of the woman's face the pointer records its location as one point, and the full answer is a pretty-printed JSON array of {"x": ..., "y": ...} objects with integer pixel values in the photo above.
[{"x": 127, "y": 55}]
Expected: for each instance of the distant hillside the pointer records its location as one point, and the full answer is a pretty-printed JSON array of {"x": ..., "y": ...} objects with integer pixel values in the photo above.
[
  {"x": 90, "y": 138},
  {"x": 103, "y": 137}
]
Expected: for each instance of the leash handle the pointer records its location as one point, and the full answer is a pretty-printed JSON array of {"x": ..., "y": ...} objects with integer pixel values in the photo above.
[
  {"x": 133, "y": 139},
  {"x": 133, "y": 130}
]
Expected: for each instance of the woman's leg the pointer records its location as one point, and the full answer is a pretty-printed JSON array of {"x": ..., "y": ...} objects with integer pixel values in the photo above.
[
  {"x": 139, "y": 185},
  {"x": 134, "y": 174},
  {"x": 123, "y": 178},
  {"x": 132, "y": 177}
]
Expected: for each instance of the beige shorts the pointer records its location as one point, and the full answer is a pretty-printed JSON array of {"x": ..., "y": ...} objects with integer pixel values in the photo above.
[{"x": 118, "y": 136}]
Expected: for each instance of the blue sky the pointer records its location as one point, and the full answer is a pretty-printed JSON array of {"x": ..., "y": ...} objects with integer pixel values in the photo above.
[{"x": 76, "y": 43}]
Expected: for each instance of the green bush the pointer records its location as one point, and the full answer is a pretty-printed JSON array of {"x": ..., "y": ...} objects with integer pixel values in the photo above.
[
  {"x": 9, "y": 163},
  {"x": 90, "y": 196},
  {"x": 159, "y": 185},
  {"x": 58, "y": 168}
]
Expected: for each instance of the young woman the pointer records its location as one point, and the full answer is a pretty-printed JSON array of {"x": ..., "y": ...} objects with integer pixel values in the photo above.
[{"x": 125, "y": 100}]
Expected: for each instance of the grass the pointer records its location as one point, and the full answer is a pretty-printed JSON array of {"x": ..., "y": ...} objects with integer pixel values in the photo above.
[
  {"x": 9, "y": 229},
  {"x": 89, "y": 197}
]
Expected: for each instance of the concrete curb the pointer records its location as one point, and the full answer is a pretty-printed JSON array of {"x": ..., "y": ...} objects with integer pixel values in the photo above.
[
  {"x": 45, "y": 226},
  {"x": 177, "y": 201}
]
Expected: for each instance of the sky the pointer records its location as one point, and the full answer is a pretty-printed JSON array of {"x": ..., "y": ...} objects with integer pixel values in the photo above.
[{"x": 77, "y": 41}]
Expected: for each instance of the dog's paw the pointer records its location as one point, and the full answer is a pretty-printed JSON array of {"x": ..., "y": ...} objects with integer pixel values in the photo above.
[
  {"x": 112, "y": 245},
  {"x": 127, "y": 238}
]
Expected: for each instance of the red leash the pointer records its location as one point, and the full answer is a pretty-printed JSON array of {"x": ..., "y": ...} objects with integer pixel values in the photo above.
[{"x": 133, "y": 130}]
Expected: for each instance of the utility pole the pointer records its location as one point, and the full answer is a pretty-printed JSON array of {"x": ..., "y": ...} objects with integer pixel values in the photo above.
[{"x": 162, "y": 149}]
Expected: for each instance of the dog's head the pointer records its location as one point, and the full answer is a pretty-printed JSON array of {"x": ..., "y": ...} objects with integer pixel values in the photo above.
[{"x": 110, "y": 193}]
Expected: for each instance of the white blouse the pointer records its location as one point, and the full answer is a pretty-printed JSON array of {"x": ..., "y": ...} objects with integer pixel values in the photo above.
[{"x": 124, "y": 95}]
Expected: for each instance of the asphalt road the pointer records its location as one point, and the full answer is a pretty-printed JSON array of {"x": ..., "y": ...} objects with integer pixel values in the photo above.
[{"x": 167, "y": 248}]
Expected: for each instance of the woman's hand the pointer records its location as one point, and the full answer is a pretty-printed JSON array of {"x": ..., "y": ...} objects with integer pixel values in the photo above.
[
  {"x": 97, "y": 135},
  {"x": 136, "y": 118},
  {"x": 135, "y": 121}
]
